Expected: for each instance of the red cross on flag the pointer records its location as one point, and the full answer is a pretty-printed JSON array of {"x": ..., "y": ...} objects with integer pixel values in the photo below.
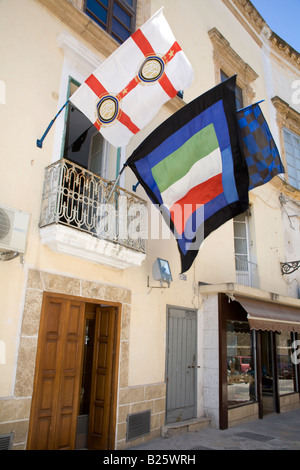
[{"x": 127, "y": 90}]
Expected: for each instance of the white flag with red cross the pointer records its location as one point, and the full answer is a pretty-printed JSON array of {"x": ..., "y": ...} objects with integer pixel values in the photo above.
[{"x": 127, "y": 90}]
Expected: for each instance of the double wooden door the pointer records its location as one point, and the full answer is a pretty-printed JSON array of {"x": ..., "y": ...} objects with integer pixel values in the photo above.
[{"x": 58, "y": 376}]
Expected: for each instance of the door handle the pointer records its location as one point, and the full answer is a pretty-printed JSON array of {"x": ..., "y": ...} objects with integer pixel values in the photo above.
[{"x": 194, "y": 367}]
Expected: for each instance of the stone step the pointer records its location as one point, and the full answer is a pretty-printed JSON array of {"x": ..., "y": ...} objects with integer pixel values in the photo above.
[{"x": 191, "y": 425}]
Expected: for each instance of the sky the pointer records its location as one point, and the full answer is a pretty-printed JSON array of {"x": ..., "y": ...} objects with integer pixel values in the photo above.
[{"x": 283, "y": 17}]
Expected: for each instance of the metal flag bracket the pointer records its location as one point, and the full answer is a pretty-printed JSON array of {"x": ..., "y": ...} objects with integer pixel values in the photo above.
[{"x": 39, "y": 142}]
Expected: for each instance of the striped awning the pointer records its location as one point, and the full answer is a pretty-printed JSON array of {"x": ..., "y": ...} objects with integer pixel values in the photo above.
[{"x": 270, "y": 316}]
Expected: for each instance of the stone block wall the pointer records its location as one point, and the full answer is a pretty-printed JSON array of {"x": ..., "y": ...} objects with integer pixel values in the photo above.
[
  {"x": 289, "y": 402},
  {"x": 136, "y": 399},
  {"x": 242, "y": 414},
  {"x": 15, "y": 411}
]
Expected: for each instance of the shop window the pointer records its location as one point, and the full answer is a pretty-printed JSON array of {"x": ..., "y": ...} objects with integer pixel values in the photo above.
[
  {"x": 117, "y": 17},
  {"x": 241, "y": 371},
  {"x": 292, "y": 152},
  {"x": 287, "y": 371}
]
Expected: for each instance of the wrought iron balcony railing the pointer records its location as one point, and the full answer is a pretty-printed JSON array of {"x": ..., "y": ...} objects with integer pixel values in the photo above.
[{"x": 75, "y": 197}]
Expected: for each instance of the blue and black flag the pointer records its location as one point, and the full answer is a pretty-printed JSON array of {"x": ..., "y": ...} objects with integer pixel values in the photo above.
[{"x": 261, "y": 153}]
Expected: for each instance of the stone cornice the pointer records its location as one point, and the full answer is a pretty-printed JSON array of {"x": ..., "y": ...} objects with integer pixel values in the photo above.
[
  {"x": 251, "y": 14},
  {"x": 80, "y": 23},
  {"x": 70, "y": 13},
  {"x": 257, "y": 22},
  {"x": 285, "y": 188},
  {"x": 286, "y": 116},
  {"x": 227, "y": 60},
  {"x": 285, "y": 50}
]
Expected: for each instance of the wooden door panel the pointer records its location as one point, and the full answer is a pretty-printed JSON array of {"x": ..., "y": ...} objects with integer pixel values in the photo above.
[
  {"x": 46, "y": 380},
  {"x": 47, "y": 391},
  {"x": 50, "y": 355},
  {"x": 100, "y": 411},
  {"x": 102, "y": 353},
  {"x": 55, "y": 401},
  {"x": 70, "y": 372},
  {"x": 100, "y": 387},
  {"x": 42, "y": 431},
  {"x": 58, "y": 367},
  {"x": 67, "y": 397},
  {"x": 62, "y": 441},
  {"x": 98, "y": 421}
]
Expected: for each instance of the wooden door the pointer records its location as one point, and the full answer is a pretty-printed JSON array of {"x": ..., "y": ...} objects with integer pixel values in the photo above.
[
  {"x": 101, "y": 422},
  {"x": 57, "y": 377}
]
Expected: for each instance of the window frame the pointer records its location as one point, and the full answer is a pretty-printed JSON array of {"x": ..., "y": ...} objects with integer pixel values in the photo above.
[
  {"x": 240, "y": 272},
  {"x": 239, "y": 95},
  {"x": 248, "y": 278},
  {"x": 289, "y": 119},
  {"x": 230, "y": 63},
  {"x": 105, "y": 148},
  {"x": 79, "y": 62},
  {"x": 129, "y": 10},
  {"x": 295, "y": 158}
]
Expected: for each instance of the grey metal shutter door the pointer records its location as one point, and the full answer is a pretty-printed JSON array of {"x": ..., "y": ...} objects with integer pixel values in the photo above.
[{"x": 181, "y": 364}]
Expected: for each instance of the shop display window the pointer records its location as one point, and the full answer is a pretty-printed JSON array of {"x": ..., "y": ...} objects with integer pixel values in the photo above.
[
  {"x": 286, "y": 368},
  {"x": 241, "y": 371}
]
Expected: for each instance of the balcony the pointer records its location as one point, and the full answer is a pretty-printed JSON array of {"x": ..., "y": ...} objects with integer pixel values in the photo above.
[{"x": 83, "y": 216}]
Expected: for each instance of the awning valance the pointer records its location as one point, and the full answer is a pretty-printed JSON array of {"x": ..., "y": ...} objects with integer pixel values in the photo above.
[{"x": 270, "y": 316}]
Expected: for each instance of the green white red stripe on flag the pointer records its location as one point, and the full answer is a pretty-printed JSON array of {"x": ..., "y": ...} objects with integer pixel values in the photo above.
[{"x": 193, "y": 169}]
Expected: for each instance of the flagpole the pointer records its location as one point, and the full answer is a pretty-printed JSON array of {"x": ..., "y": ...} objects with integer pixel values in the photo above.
[
  {"x": 117, "y": 181},
  {"x": 250, "y": 105},
  {"x": 39, "y": 142}
]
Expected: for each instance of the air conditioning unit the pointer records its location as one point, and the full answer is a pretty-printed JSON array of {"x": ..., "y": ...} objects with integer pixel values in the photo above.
[{"x": 13, "y": 229}]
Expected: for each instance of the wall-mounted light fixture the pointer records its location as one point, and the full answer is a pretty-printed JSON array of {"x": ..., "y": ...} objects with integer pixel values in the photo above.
[{"x": 161, "y": 272}]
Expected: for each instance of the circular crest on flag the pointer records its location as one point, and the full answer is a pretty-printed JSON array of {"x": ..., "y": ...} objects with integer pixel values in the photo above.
[
  {"x": 108, "y": 109},
  {"x": 151, "y": 69}
]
